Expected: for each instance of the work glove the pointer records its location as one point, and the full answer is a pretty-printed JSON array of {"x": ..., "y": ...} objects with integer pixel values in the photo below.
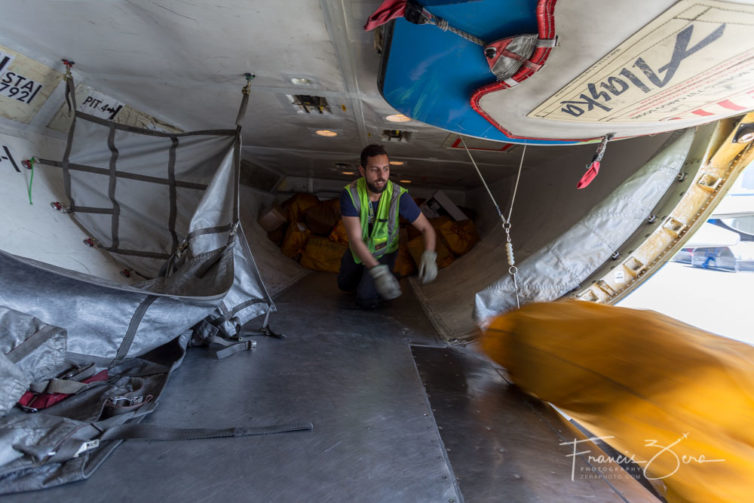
[
  {"x": 428, "y": 267},
  {"x": 386, "y": 284}
]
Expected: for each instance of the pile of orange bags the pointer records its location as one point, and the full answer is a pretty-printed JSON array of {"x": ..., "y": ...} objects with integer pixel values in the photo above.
[{"x": 315, "y": 236}]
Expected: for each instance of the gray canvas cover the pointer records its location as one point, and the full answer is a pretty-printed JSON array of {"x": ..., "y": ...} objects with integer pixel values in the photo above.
[
  {"x": 562, "y": 264},
  {"x": 166, "y": 207}
]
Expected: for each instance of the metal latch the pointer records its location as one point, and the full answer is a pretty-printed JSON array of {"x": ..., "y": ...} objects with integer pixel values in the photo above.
[{"x": 87, "y": 446}]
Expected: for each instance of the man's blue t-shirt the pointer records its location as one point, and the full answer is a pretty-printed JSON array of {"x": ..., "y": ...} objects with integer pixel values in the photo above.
[{"x": 406, "y": 206}]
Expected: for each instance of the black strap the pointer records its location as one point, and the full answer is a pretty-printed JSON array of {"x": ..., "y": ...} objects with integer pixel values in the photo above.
[
  {"x": 173, "y": 194},
  {"x": 133, "y": 326},
  {"x": 139, "y": 253},
  {"x": 242, "y": 108},
  {"x": 133, "y": 431},
  {"x": 123, "y": 174},
  {"x": 115, "y": 219},
  {"x": 70, "y": 96},
  {"x": 230, "y": 348},
  {"x": 151, "y": 432},
  {"x": 38, "y": 338}
]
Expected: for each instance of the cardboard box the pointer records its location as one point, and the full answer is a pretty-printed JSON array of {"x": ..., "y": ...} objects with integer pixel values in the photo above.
[
  {"x": 440, "y": 200},
  {"x": 272, "y": 219}
]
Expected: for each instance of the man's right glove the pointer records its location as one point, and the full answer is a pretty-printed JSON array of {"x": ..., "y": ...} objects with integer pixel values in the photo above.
[
  {"x": 386, "y": 284},
  {"x": 428, "y": 267}
]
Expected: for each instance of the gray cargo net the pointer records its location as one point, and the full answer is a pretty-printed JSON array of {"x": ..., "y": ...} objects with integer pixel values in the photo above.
[{"x": 165, "y": 205}]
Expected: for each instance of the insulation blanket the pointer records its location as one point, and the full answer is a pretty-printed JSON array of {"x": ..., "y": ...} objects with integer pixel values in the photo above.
[
  {"x": 562, "y": 264},
  {"x": 676, "y": 399}
]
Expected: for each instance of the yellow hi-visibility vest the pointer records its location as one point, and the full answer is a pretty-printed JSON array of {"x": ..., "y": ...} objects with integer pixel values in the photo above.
[{"x": 384, "y": 236}]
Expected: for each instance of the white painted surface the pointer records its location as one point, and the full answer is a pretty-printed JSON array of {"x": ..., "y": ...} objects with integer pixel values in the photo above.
[
  {"x": 36, "y": 230},
  {"x": 717, "y": 301}
]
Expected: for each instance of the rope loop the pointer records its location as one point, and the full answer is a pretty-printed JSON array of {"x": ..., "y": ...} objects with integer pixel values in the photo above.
[
  {"x": 506, "y": 222},
  {"x": 247, "y": 88},
  {"x": 68, "y": 65}
]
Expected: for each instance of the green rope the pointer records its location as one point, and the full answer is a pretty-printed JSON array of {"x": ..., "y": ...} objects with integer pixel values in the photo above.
[{"x": 31, "y": 178}]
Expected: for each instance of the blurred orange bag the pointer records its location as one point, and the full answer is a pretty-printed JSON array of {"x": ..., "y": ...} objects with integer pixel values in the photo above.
[
  {"x": 404, "y": 264},
  {"x": 323, "y": 216},
  {"x": 296, "y": 206},
  {"x": 295, "y": 239},
  {"x": 416, "y": 248},
  {"x": 321, "y": 254},
  {"x": 338, "y": 233},
  {"x": 679, "y": 399},
  {"x": 459, "y": 236}
]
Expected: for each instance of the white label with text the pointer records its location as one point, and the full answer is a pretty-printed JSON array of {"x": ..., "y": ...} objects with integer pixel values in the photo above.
[
  {"x": 100, "y": 105},
  {"x": 19, "y": 87}
]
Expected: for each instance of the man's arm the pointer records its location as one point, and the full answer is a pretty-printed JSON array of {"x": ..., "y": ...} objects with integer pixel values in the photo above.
[
  {"x": 353, "y": 230},
  {"x": 428, "y": 232}
]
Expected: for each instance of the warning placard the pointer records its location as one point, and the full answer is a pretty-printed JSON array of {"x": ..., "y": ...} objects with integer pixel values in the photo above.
[
  {"x": 696, "y": 59},
  {"x": 25, "y": 85}
]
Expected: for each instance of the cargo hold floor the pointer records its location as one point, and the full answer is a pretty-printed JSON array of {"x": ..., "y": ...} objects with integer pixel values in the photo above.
[{"x": 360, "y": 379}]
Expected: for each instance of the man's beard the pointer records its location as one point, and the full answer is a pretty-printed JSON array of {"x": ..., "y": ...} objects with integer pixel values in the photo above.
[{"x": 376, "y": 190}]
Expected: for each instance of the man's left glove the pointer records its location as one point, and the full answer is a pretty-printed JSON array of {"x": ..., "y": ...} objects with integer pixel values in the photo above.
[
  {"x": 386, "y": 284},
  {"x": 428, "y": 267}
]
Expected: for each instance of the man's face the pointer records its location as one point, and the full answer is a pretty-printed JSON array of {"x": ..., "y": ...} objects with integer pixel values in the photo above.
[{"x": 376, "y": 173}]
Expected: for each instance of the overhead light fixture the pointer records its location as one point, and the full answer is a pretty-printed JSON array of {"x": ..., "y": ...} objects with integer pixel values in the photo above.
[
  {"x": 301, "y": 81},
  {"x": 348, "y": 172},
  {"x": 308, "y": 103},
  {"x": 397, "y": 163},
  {"x": 405, "y": 181},
  {"x": 326, "y": 133},
  {"x": 397, "y": 118},
  {"x": 395, "y": 135}
]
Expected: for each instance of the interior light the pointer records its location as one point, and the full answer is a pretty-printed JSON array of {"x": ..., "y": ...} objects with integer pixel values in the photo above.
[
  {"x": 301, "y": 81},
  {"x": 348, "y": 172},
  {"x": 397, "y": 118},
  {"x": 405, "y": 181},
  {"x": 396, "y": 163},
  {"x": 326, "y": 132}
]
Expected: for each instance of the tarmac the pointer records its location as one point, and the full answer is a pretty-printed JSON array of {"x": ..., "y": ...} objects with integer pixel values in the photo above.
[{"x": 716, "y": 301}]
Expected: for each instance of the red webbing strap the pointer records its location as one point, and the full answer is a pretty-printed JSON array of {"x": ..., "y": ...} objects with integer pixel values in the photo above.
[
  {"x": 593, "y": 168},
  {"x": 37, "y": 401},
  {"x": 546, "y": 32},
  {"x": 387, "y": 11}
]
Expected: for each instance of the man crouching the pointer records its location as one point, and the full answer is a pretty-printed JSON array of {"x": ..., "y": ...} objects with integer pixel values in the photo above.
[{"x": 371, "y": 207}]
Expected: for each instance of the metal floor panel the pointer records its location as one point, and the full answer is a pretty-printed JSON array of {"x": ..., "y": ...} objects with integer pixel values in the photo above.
[
  {"x": 504, "y": 445},
  {"x": 347, "y": 371},
  {"x": 352, "y": 374}
]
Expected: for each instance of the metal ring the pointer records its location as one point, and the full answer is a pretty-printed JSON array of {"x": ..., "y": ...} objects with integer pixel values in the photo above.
[{"x": 512, "y": 270}]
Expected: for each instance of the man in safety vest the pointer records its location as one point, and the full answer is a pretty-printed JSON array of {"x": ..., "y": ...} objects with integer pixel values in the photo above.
[{"x": 371, "y": 207}]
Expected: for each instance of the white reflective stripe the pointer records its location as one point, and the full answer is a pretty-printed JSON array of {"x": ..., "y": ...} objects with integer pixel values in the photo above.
[
  {"x": 510, "y": 82},
  {"x": 547, "y": 42},
  {"x": 355, "y": 197},
  {"x": 394, "y": 201},
  {"x": 87, "y": 446}
]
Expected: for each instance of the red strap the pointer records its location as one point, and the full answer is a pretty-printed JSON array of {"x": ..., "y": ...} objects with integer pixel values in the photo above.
[
  {"x": 590, "y": 175},
  {"x": 387, "y": 11},
  {"x": 44, "y": 400}
]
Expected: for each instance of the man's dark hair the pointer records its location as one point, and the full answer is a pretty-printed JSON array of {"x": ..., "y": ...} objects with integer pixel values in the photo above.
[{"x": 371, "y": 151}]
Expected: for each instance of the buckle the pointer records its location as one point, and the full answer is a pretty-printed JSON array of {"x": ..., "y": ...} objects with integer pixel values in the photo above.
[
  {"x": 125, "y": 401},
  {"x": 87, "y": 446}
]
